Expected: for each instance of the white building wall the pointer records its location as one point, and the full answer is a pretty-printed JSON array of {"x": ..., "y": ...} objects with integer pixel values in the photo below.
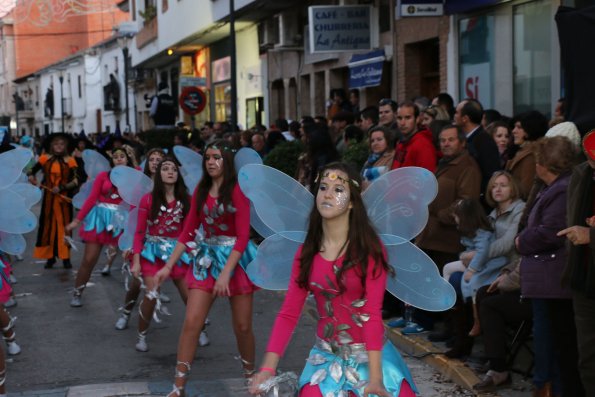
[
  {"x": 249, "y": 70},
  {"x": 181, "y": 20}
]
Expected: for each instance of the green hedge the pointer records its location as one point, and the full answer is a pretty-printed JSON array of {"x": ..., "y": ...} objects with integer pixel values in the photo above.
[
  {"x": 284, "y": 157},
  {"x": 356, "y": 154}
]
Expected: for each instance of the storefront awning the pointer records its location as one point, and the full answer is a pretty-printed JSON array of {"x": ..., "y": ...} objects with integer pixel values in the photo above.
[
  {"x": 463, "y": 6},
  {"x": 365, "y": 70}
]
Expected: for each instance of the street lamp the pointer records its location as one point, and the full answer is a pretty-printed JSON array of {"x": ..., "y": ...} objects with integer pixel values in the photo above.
[
  {"x": 123, "y": 43},
  {"x": 61, "y": 79}
]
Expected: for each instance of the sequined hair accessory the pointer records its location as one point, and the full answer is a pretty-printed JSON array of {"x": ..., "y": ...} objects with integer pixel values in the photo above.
[
  {"x": 333, "y": 176},
  {"x": 223, "y": 148}
]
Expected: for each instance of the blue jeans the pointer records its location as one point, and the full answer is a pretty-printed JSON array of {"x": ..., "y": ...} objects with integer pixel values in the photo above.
[{"x": 546, "y": 367}]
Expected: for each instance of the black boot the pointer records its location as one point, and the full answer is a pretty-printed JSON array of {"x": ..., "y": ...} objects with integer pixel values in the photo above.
[
  {"x": 463, "y": 343},
  {"x": 50, "y": 263},
  {"x": 66, "y": 263}
]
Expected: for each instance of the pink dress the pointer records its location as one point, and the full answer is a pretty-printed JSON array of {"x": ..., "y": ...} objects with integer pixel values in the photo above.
[
  {"x": 154, "y": 240},
  {"x": 226, "y": 229},
  {"x": 6, "y": 288},
  {"x": 98, "y": 214},
  {"x": 350, "y": 324}
]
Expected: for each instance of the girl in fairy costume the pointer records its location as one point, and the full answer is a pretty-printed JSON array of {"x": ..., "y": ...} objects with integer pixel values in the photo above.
[
  {"x": 160, "y": 220},
  {"x": 343, "y": 263},
  {"x": 98, "y": 216},
  {"x": 220, "y": 207}
]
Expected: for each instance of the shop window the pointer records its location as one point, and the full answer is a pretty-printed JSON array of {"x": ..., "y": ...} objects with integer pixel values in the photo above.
[
  {"x": 223, "y": 102},
  {"x": 532, "y": 57},
  {"x": 254, "y": 110},
  {"x": 476, "y": 55}
]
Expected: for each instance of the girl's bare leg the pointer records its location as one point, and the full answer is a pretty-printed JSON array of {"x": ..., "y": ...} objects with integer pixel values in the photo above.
[
  {"x": 241, "y": 310},
  {"x": 90, "y": 258}
]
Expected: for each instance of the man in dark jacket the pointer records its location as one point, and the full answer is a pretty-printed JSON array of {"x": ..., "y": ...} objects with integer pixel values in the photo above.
[
  {"x": 480, "y": 144},
  {"x": 580, "y": 269},
  {"x": 163, "y": 108}
]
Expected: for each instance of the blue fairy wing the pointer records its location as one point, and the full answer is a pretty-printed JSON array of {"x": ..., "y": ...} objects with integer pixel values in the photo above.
[
  {"x": 417, "y": 280},
  {"x": 246, "y": 156},
  {"x": 397, "y": 202},
  {"x": 280, "y": 202},
  {"x": 13, "y": 244},
  {"x": 191, "y": 169},
  {"x": 29, "y": 194},
  {"x": 258, "y": 224},
  {"x": 13, "y": 163},
  {"x": 132, "y": 184},
  {"x": 271, "y": 269},
  {"x": 126, "y": 239},
  {"x": 79, "y": 199},
  {"x": 95, "y": 163},
  {"x": 15, "y": 216}
]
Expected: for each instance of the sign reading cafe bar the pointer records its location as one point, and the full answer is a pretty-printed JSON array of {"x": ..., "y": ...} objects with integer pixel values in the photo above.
[{"x": 342, "y": 28}]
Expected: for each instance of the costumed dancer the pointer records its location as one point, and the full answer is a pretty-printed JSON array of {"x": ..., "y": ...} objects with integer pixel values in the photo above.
[
  {"x": 59, "y": 180},
  {"x": 220, "y": 207},
  {"x": 6, "y": 321},
  {"x": 343, "y": 264},
  {"x": 98, "y": 216},
  {"x": 161, "y": 217},
  {"x": 154, "y": 157}
]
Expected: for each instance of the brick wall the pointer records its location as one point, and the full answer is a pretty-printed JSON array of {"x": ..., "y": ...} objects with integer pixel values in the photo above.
[
  {"x": 39, "y": 46},
  {"x": 415, "y": 30}
]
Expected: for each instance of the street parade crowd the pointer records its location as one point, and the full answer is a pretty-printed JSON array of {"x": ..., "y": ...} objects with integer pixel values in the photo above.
[{"x": 497, "y": 212}]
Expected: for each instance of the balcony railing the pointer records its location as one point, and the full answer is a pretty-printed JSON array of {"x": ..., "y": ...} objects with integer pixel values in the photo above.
[{"x": 148, "y": 33}]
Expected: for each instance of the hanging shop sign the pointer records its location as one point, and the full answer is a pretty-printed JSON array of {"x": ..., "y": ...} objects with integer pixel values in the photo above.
[
  {"x": 342, "y": 28},
  {"x": 422, "y": 8},
  {"x": 366, "y": 70}
]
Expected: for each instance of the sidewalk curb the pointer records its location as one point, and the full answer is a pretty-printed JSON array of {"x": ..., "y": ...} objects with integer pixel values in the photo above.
[{"x": 455, "y": 370}]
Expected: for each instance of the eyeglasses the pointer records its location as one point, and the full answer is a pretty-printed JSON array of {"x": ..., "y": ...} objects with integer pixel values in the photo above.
[{"x": 387, "y": 101}]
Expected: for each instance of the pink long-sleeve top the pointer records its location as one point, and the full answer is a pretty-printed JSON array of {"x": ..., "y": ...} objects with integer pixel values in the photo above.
[
  {"x": 103, "y": 191},
  {"x": 234, "y": 222},
  {"x": 346, "y": 307},
  {"x": 168, "y": 224}
]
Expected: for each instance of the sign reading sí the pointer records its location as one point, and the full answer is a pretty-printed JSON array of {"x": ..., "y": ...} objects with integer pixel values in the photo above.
[
  {"x": 342, "y": 28},
  {"x": 192, "y": 100}
]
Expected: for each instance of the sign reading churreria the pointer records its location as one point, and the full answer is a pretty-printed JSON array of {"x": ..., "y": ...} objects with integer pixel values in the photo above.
[{"x": 341, "y": 28}]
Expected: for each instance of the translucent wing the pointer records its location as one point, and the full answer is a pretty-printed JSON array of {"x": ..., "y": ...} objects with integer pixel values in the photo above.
[
  {"x": 132, "y": 184},
  {"x": 191, "y": 169},
  {"x": 271, "y": 269},
  {"x": 79, "y": 199},
  {"x": 13, "y": 163},
  {"x": 13, "y": 244},
  {"x": 246, "y": 156},
  {"x": 417, "y": 280},
  {"x": 127, "y": 237},
  {"x": 257, "y": 223},
  {"x": 24, "y": 223},
  {"x": 95, "y": 163},
  {"x": 281, "y": 203},
  {"x": 397, "y": 202},
  {"x": 29, "y": 194}
]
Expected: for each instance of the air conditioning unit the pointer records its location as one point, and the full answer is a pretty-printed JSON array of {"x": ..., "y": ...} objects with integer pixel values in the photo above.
[
  {"x": 290, "y": 30},
  {"x": 268, "y": 32}
]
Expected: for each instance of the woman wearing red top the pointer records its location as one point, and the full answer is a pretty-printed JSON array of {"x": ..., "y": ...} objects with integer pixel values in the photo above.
[
  {"x": 220, "y": 207},
  {"x": 342, "y": 263},
  {"x": 161, "y": 216},
  {"x": 98, "y": 216},
  {"x": 153, "y": 158}
]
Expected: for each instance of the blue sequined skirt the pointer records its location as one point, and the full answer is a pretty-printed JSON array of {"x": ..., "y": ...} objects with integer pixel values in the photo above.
[
  {"x": 104, "y": 218},
  {"x": 157, "y": 247},
  {"x": 347, "y": 370},
  {"x": 209, "y": 260}
]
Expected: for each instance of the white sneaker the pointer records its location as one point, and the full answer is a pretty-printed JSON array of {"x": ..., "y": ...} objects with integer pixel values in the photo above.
[
  {"x": 11, "y": 302},
  {"x": 122, "y": 322},
  {"x": 164, "y": 298},
  {"x": 13, "y": 279},
  {"x": 203, "y": 339},
  {"x": 19, "y": 257},
  {"x": 12, "y": 348},
  {"x": 105, "y": 271},
  {"x": 76, "y": 301},
  {"x": 141, "y": 344}
]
